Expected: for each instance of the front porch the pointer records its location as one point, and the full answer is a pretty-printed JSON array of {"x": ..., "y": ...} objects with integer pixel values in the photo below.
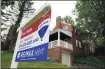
[{"x": 60, "y": 38}]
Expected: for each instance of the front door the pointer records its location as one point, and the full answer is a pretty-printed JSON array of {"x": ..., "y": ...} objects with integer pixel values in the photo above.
[{"x": 66, "y": 59}]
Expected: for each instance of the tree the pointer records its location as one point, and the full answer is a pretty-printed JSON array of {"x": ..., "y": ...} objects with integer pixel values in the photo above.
[
  {"x": 9, "y": 13},
  {"x": 68, "y": 19},
  {"x": 8, "y": 17},
  {"x": 24, "y": 5},
  {"x": 90, "y": 19},
  {"x": 91, "y": 14},
  {"x": 5, "y": 3}
]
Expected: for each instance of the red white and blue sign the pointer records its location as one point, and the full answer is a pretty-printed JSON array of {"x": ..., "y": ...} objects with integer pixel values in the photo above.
[{"x": 34, "y": 41}]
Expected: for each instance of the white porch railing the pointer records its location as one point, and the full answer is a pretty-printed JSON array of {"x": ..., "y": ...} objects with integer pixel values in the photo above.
[{"x": 64, "y": 44}]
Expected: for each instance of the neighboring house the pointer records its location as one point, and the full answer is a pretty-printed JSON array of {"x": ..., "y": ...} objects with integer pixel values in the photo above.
[{"x": 64, "y": 43}]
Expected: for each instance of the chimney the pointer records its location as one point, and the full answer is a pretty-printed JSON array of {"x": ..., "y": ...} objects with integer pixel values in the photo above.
[{"x": 58, "y": 22}]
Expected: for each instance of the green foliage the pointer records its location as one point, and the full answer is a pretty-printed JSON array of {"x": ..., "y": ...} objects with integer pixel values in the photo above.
[
  {"x": 90, "y": 21},
  {"x": 69, "y": 20},
  {"x": 6, "y": 3},
  {"x": 91, "y": 61},
  {"x": 91, "y": 16},
  {"x": 100, "y": 41}
]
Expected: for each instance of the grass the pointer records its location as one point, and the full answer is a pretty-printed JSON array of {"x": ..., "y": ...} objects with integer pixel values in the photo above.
[
  {"x": 6, "y": 58},
  {"x": 41, "y": 65},
  {"x": 91, "y": 61}
]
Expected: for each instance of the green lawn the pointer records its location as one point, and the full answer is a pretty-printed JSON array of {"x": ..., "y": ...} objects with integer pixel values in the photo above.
[{"x": 6, "y": 58}]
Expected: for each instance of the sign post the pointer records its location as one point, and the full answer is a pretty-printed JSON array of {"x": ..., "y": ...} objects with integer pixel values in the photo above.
[
  {"x": 33, "y": 38},
  {"x": 15, "y": 64}
]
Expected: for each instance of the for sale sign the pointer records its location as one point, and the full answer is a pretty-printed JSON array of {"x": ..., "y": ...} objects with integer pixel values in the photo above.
[{"x": 34, "y": 39}]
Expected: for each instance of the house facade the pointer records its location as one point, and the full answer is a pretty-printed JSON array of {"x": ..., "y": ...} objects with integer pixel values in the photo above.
[{"x": 64, "y": 43}]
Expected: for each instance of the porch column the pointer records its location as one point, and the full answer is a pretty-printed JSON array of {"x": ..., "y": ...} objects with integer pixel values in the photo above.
[
  {"x": 58, "y": 38},
  {"x": 66, "y": 44}
]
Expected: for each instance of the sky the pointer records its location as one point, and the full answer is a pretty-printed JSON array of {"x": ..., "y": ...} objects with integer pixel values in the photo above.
[{"x": 59, "y": 8}]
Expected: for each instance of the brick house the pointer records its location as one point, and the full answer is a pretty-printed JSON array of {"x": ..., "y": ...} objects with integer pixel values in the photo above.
[{"x": 64, "y": 43}]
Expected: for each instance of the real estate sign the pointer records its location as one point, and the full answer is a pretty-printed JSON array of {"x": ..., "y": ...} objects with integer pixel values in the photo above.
[
  {"x": 34, "y": 41},
  {"x": 34, "y": 38}
]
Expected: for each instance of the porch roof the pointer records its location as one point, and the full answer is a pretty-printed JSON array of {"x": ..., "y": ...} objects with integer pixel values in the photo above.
[{"x": 66, "y": 32}]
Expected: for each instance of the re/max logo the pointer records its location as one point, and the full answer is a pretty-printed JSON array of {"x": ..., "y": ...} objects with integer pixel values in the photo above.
[{"x": 43, "y": 24}]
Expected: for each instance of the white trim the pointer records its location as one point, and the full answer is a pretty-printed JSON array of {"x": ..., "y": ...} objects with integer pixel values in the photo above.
[
  {"x": 68, "y": 33},
  {"x": 58, "y": 38},
  {"x": 54, "y": 31},
  {"x": 80, "y": 45},
  {"x": 76, "y": 43},
  {"x": 66, "y": 44},
  {"x": 63, "y": 44}
]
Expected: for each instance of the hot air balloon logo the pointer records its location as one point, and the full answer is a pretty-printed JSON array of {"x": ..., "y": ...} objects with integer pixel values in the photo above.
[{"x": 42, "y": 29}]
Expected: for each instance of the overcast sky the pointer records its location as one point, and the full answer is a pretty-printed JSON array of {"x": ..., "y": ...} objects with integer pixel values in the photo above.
[{"x": 59, "y": 8}]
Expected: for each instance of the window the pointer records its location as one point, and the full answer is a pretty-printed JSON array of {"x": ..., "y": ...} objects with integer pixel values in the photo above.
[
  {"x": 75, "y": 30},
  {"x": 78, "y": 44}
]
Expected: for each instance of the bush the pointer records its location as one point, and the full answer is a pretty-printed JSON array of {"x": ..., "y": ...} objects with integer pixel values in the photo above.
[{"x": 91, "y": 61}]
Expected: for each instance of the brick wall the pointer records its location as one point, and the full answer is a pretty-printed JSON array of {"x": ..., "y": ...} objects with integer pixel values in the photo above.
[
  {"x": 77, "y": 51},
  {"x": 60, "y": 25},
  {"x": 57, "y": 52},
  {"x": 54, "y": 52}
]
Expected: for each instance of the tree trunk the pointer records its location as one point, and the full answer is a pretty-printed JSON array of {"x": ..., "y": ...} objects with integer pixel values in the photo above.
[
  {"x": 17, "y": 24},
  {"x": 9, "y": 37},
  {"x": 10, "y": 48}
]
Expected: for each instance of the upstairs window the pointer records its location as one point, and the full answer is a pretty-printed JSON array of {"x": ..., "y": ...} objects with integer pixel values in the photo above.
[{"x": 78, "y": 44}]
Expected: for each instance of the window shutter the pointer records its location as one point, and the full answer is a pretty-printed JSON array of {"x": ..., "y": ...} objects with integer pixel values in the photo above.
[{"x": 76, "y": 43}]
